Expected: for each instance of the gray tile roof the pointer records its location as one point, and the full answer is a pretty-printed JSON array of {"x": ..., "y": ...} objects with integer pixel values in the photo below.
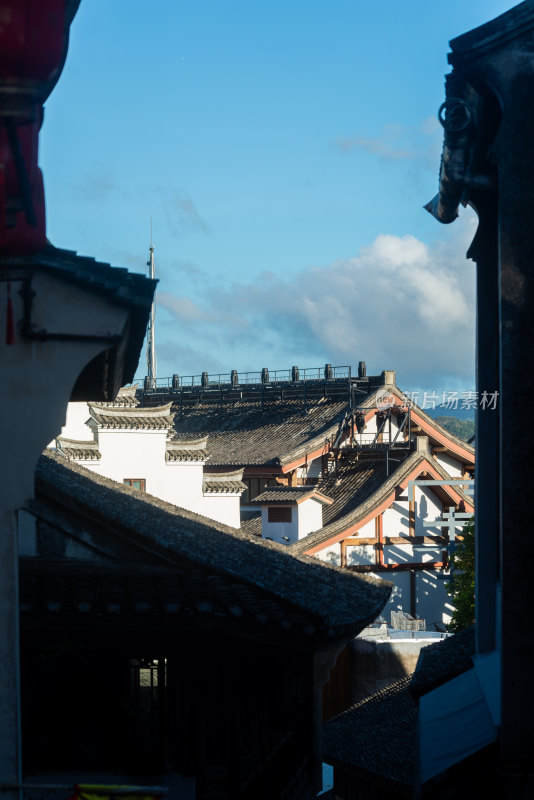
[
  {"x": 339, "y": 602},
  {"x": 71, "y": 448},
  {"x": 442, "y": 661},
  {"x": 131, "y": 421},
  {"x": 289, "y": 494},
  {"x": 223, "y": 487},
  {"x": 251, "y": 523},
  {"x": 376, "y": 737},
  {"x": 243, "y": 433},
  {"x": 359, "y": 487},
  {"x": 169, "y": 597},
  {"x": 182, "y": 454}
]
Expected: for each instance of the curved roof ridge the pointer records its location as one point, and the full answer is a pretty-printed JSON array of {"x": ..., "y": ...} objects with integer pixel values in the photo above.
[
  {"x": 342, "y": 602},
  {"x": 117, "y": 410},
  {"x": 352, "y": 517},
  {"x": 379, "y": 496}
]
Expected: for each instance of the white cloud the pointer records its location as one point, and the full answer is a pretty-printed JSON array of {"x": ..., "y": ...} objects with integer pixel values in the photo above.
[
  {"x": 421, "y": 143},
  {"x": 398, "y": 304}
]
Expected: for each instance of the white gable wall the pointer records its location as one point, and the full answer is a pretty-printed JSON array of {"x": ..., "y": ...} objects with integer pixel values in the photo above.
[
  {"x": 223, "y": 508},
  {"x": 75, "y": 426},
  {"x": 309, "y": 517},
  {"x": 449, "y": 464},
  {"x": 140, "y": 454}
]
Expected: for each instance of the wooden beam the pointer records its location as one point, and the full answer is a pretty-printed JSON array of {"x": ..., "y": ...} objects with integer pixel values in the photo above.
[
  {"x": 431, "y": 566},
  {"x": 354, "y": 541},
  {"x": 437, "y": 540}
]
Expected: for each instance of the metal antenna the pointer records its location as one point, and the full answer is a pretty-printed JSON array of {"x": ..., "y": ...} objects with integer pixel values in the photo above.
[{"x": 150, "y": 341}]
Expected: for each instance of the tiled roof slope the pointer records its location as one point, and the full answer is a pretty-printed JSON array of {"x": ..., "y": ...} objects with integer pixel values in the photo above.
[
  {"x": 340, "y": 601},
  {"x": 223, "y": 487},
  {"x": 119, "y": 415},
  {"x": 359, "y": 488},
  {"x": 351, "y": 484},
  {"x": 290, "y": 494},
  {"x": 131, "y": 421},
  {"x": 377, "y": 736},
  {"x": 72, "y": 448},
  {"x": 245, "y": 433},
  {"x": 443, "y": 660},
  {"x": 251, "y": 523},
  {"x": 172, "y": 598}
]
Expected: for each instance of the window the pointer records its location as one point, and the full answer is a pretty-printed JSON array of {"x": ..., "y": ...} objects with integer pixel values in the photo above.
[
  {"x": 136, "y": 483},
  {"x": 279, "y": 513},
  {"x": 255, "y": 486}
]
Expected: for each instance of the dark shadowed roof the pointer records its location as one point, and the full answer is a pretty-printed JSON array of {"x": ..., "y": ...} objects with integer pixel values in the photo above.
[
  {"x": 443, "y": 661},
  {"x": 249, "y": 432},
  {"x": 340, "y": 602},
  {"x": 377, "y": 736}
]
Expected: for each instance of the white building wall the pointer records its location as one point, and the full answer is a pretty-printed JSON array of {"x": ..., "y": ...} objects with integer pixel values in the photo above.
[
  {"x": 400, "y": 594},
  {"x": 140, "y": 454},
  {"x": 75, "y": 426},
  {"x": 432, "y": 601},
  {"x": 332, "y": 555},
  {"x": 427, "y": 507},
  {"x": 395, "y": 520},
  {"x": 223, "y": 508},
  {"x": 367, "y": 531},
  {"x": 450, "y": 465},
  {"x": 361, "y": 554},
  {"x": 282, "y": 532},
  {"x": 309, "y": 517},
  {"x": 410, "y": 554}
]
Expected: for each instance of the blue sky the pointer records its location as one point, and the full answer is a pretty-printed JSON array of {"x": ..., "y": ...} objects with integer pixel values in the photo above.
[{"x": 284, "y": 151}]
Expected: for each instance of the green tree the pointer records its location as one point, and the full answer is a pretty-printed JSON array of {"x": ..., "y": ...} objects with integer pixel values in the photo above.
[{"x": 461, "y": 587}]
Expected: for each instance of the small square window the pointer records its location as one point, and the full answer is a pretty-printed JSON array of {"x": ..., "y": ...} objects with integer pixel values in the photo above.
[
  {"x": 279, "y": 514},
  {"x": 136, "y": 483}
]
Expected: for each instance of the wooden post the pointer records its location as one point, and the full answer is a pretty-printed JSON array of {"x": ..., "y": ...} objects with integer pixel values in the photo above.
[
  {"x": 379, "y": 546},
  {"x": 343, "y": 551},
  {"x": 411, "y": 518}
]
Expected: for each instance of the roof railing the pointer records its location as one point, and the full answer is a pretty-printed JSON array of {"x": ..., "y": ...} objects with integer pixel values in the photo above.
[{"x": 235, "y": 379}]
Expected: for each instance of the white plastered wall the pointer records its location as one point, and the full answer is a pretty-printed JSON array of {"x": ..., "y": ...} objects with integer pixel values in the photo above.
[
  {"x": 140, "y": 454},
  {"x": 282, "y": 532},
  {"x": 309, "y": 517},
  {"x": 449, "y": 464},
  {"x": 224, "y": 507},
  {"x": 75, "y": 426}
]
